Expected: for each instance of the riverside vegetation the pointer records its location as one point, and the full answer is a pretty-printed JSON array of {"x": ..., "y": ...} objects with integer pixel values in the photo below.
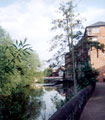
[{"x": 19, "y": 66}]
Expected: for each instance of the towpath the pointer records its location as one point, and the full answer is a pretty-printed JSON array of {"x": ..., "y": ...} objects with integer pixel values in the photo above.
[{"x": 95, "y": 108}]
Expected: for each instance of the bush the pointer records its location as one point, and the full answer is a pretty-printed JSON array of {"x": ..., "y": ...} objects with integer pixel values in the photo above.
[
  {"x": 13, "y": 107},
  {"x": 18, "y": 67},
  {"x": 88, "y": 76}
]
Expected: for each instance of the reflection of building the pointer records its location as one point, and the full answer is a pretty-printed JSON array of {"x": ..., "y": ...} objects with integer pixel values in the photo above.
[{"x": 83, "y": 53}]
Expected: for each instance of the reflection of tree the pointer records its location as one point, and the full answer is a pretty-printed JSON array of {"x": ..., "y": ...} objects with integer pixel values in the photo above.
[
  {"x": 43, "y": 113},
  {"x": 58, "y": 101},
  {"x": 38, "y": 108},
  {"x": 35, "y": 104},
  {"x": 48, "y": 72},
  {"x": 60, "y": 89}
]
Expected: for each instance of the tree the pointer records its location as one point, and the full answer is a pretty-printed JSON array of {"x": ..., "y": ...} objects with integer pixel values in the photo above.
[
  {"x": 68, "y": 26},
  {"x": 19, "y": 64},
  {"x": 18, "y": 68},
  {"x": 88, "y": 76},
  {"x": 48, "y": 72}
]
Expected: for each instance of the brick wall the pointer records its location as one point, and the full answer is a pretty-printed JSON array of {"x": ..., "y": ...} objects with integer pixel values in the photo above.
[
  {"x": 96, "y": 58},
  {"x": 98, "y": 62}
]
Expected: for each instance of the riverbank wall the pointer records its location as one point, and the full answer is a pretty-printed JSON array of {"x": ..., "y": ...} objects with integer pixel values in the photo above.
[{"x": 74, "y": 107}]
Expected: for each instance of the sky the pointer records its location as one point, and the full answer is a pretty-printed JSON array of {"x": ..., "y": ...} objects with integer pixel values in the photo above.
[{"x": 32, "y": 19}]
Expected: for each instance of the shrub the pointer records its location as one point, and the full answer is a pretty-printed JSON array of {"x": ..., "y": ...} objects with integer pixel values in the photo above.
[{"x": 88, "y": 76}]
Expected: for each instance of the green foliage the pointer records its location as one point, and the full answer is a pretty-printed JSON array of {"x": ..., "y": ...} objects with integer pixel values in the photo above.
[
  {"x": 95, "y": 44},
  {"x": 39, "y": 76},
  {"x": 19, "y": 106},
  {"x": 88, "y": 76},
  {"x": 13, "y": 106},
  {"x": 58, "y": 102},
  {"x": 18, "y": 67},
  {"x": 35, "y": 104},
  {"x": 48, "y": 72}
]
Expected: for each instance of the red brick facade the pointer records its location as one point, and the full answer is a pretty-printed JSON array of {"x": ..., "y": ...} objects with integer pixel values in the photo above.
[
  {"x": 95, "y": 32},
  {"x": 98, "y": 61}
]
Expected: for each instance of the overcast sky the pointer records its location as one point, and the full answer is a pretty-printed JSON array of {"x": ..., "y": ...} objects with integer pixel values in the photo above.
[{"x": 32, "y": 19}]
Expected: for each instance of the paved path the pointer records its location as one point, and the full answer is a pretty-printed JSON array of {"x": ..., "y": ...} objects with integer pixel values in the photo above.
[{"x": 95, "y": 108}]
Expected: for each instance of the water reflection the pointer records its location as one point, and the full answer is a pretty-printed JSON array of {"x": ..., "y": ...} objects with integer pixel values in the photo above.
[
  {"x": 35, "y": 104},
  {"x": 41, "y": 104}
]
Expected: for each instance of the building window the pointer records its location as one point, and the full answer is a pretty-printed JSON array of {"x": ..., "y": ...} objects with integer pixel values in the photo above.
[
  {"x": 89, "y": 62},
  {"x": 92, "y": 30},
  {"x": 89, "y": 52},
  {"x": 95, "y": 30},
  {"x": 94, "y": 39},
  {"x": 60, "y": 73},
  {"x": 89, "y": 31}
]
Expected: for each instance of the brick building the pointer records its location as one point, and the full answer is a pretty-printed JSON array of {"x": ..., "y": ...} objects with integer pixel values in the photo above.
[{"x": 85, "y": 54}]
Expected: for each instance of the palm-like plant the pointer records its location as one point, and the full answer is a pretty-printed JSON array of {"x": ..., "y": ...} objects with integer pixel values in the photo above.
[{"x": 21, "y": 49}]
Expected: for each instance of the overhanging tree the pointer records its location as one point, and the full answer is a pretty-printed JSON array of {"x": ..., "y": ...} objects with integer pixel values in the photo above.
[
  {"x": 19, "y": 64},
  {"x": 18, "y": 68}
]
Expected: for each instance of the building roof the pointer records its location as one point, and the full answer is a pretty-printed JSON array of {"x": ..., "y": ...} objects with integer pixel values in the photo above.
[{"x": 97, "y": 24}]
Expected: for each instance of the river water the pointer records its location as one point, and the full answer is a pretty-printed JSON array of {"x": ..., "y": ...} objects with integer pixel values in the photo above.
[{"x": 44, "y": 102}]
